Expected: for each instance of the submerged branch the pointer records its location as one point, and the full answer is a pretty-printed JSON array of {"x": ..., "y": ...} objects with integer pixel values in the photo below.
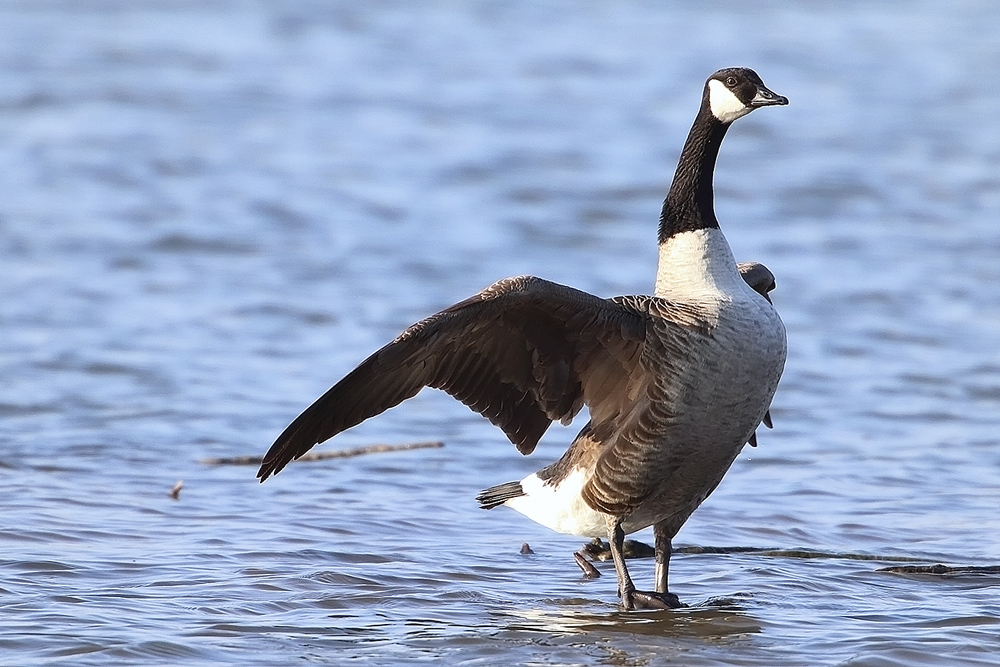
[
  {"x": 322, "y": 456},
  {"x": 598, "y": 550}
]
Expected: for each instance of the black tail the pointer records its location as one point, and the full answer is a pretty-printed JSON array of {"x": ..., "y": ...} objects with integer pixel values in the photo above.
[{"x": 498, "y": 495}]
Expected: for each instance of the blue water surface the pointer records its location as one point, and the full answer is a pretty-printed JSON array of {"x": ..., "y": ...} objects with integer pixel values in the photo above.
[{"x": 212, "y": 210}]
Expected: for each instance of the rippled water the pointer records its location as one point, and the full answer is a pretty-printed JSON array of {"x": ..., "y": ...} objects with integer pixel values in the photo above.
[{"x": 212, "y": 210}]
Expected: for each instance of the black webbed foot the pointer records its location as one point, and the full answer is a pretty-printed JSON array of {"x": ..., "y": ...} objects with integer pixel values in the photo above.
[
  {"x": 648, "y": 600},
  {"x": 589, "y": 571}
]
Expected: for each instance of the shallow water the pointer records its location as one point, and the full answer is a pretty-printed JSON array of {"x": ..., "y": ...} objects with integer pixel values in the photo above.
[{"x": 213, "y": 210}]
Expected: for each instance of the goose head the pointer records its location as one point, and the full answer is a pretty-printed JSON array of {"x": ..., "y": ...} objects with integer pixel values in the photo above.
[{"x": 734, "y": 92}]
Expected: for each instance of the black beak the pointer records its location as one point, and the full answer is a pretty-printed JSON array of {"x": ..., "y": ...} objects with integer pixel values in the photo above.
[{"x": 767, "y": 98}]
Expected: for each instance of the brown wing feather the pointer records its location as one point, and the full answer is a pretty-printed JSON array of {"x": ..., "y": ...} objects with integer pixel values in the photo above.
[
  {"x": 522, "y": 353},
  {"x": 623, "y": 471}
]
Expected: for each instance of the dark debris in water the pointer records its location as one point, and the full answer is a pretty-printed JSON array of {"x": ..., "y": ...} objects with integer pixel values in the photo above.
[
  {"x": 793, "y": 553},
  {"x": 599, "y": 550},
  {"x": 942, "y": 569}
]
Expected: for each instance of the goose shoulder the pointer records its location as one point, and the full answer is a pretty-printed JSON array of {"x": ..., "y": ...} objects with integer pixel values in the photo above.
[{"x": 758, "y": 277}]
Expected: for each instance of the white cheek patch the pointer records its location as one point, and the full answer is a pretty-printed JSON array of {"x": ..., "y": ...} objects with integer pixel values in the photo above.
[{"x": 725, "y": 105}]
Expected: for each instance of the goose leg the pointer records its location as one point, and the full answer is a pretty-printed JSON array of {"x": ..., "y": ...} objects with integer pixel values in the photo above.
[
  {"x": 631, "y": 598},
  {"x": 663, "y": 548}
]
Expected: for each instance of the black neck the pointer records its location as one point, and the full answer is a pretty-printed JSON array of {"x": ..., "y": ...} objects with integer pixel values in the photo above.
[{"x": 690, "y": 203}]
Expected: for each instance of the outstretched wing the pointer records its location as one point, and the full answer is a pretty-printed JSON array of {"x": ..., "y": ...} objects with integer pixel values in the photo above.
[{"x": 522, "y": 353}]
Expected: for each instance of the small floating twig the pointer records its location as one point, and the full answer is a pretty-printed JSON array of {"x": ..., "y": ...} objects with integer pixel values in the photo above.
[
  {"x": 175, "y": 492},
  {"x": 322, "y": 456}
]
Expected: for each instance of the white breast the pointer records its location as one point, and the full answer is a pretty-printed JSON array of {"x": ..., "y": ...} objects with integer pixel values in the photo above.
[
  {"x": 725, "y": 385},
  {"x": 698, "y": 266}
]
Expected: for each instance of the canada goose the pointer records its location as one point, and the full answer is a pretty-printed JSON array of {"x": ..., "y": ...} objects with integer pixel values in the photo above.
[{"x": 676, "y": 383}]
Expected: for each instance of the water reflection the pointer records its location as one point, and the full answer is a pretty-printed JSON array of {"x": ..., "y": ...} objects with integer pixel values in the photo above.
[{"x": 714, "y": 618}]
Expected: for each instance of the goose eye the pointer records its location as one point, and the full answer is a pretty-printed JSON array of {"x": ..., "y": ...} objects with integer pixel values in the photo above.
[{"x": 731, "y": 81}]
